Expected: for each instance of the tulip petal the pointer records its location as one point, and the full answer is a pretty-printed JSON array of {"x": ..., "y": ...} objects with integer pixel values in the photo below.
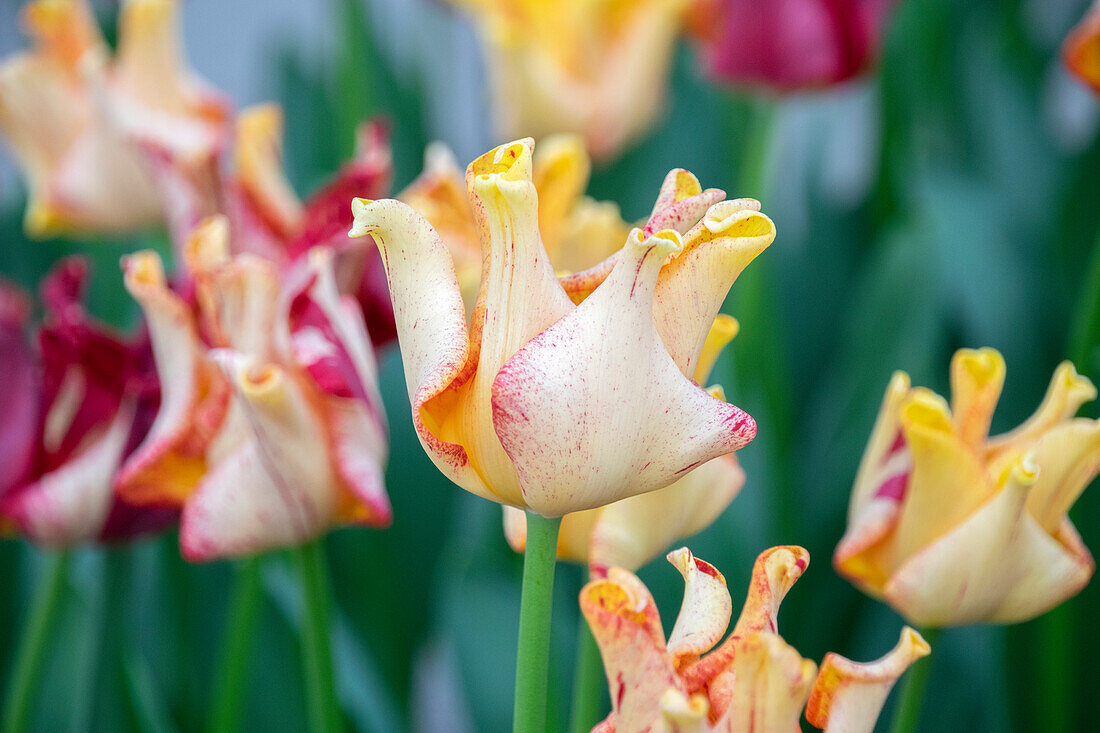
[
  {"x": 722, "y": 331},
  {"x": 195, "y": 397},
  {"x": 1068, "y": 390},
  {"x": 681, "y": 203},
  {"x": 631, "y": 532},
  {"x": 1069, "y": 459},
  {"x": 259, "y": 158},
  {"x": 632, "y": 423},
  {"x": 705, "y": 611},
  {"x": 998, "y": 565},
  {"x": 765, "y": 687},
  {"x": 627, "y": 628},
  {"x": 773, "y": 574},
  {"x": 977, "y": 377},
  {"x": 947, "y": 483},
  {"x": 273, "y": 490},
  {"x": 886, "y": 441},
  {"x": 431, "y": 325},
  {"x": 694, "y": 284},
  {"x": 681, "y": 714},
  {"x": 19, "y": 399},
  {"x": 70, "y": 504},
  {"x": 847, "y": 696}
]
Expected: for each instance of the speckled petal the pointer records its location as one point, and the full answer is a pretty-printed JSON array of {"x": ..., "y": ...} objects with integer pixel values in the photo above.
[
  {"x": 632, "y": 422},
  {"x": 705, "y": 611}
]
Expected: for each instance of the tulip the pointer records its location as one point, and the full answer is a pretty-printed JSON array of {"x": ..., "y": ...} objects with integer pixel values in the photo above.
[
  {"x": 72, "y": 412},
  {"x": 78, "y": 118},
  {"x": 551, "y": 406},
  {"x": 595, "y": 69},
  {"x": 790, "y": 44},
  {"x": 1081, "y": 50},
  {"x": 752, "y": 681},
  {"x": 950, "y": 526},
  {"x": 630, "y": 533},
  {"x": 271, "y": 427},
  {"x": 577, "y": 232}
]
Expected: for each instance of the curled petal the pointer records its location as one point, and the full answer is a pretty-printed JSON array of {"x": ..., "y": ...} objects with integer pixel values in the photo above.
[
  {"x": 1068, "y": 390},
  {"x": 694, "y": 284},
  {"x": 706, "y": 609},
  {"x": 593, "y": 409},
  {"x": 259, "y": 158},
  {"x": 999, "y": 565},
  {"x": 681, "y": 202},
  {"x": 683, "y": 714},
  {"x": 886, "y": 446},
  {"x": 1068, "y": 458},
  {"x": 773, "y": 574},
  {"x": 847, "y": 696},
  {"x": 624, "y": 621},
  {"x": 171, "y": 460},
  {"x": 977, "y": 377}
]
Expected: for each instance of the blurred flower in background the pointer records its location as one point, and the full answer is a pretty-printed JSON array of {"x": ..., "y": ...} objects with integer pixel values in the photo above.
[
  {"x": 630, "y": 533},
  {"x": 1081, "y": 50},
  {"x": 789, "y": 44},
  {"x": 79, "y": 118},
  {"x": 753, "y": 680},
  {"x": 271, "y": 429},
  {"x": 598, "y": 69},
  {"x": 73, "y": 408},
  {"x": 493, "y": 403},
  {"x": 951, "y": 526}
]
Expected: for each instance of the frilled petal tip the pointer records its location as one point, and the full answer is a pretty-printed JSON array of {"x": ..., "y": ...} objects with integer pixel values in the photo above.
[
  {"x": 848, "y": 696},
  {"x": 1081, "y": 50}
]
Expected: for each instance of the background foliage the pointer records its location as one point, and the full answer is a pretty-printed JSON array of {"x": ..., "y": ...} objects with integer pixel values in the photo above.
[{"x": 950, "y": 200}]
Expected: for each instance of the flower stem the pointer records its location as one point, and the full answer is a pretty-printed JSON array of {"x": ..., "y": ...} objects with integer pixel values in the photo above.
[
  {"x": 533, "y": 649},
  {"x": 588, "y": 682},
  {"x": 321, "y": 702},
  {"x": 907, "y": 715},
  {"x": 233, "y": 669},
  {"x": 28, "y": 660}
]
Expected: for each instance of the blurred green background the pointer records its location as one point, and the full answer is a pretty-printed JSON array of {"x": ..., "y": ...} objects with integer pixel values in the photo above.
[{"x": 951, "y": 199}]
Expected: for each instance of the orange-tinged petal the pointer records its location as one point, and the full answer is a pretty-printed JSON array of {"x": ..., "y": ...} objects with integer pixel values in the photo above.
[
  {"x": 773, "y": 574},
  {"x": 847, "y": 696},
  {"x": 767, "y": 685},
  {"x": 259, "y": 159},
  {"x": 171, "y": 460}
]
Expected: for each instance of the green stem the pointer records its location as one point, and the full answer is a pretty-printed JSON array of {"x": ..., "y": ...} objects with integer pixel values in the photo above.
[
  {"x": 229, "y": 685},
  {"x": 28, "y": 660},
  {"x": 533, "y": 649},
  {"x": 907, "y": 715},
  {"x": 322, "y": 705},
  {"x": 588, "y": 682}
]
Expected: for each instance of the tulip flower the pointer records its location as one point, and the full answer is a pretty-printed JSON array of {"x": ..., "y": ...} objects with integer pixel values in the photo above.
[
  {"x": 789, "y": 44},
  {"x": 265, "y": 215},
  {"x": 595, "y": 69},
  {"x": 1081, "y": 50},
  {"x": 630, "y": 533},
  {"x": 78, "y": 118},
  {"x": 72, "y": 412},
  {"x": 551, "y": 406},
  {"x": 271, "y": 427},
  {"x": 950, "y": 526},
  {"x": 577, "y": 231},
  {"x": 752, "y": 681}
]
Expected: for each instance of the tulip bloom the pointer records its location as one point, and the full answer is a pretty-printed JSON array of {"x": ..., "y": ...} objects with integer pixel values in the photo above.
[
  {"x": 271, "y": 427},
  {"x": 78, "y": 119},
  {"x": 1081, "y": 50},
  {"x": 630, "y": 533},
  {"x": 595, "y": 69},
  {"x": 72, "y": 412},
  {"x": 551, "y": 406},
  {"x": 751, "y": 681},
  {"x": 952, "y": 527},
  {"x": 790, "y": 44}
]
